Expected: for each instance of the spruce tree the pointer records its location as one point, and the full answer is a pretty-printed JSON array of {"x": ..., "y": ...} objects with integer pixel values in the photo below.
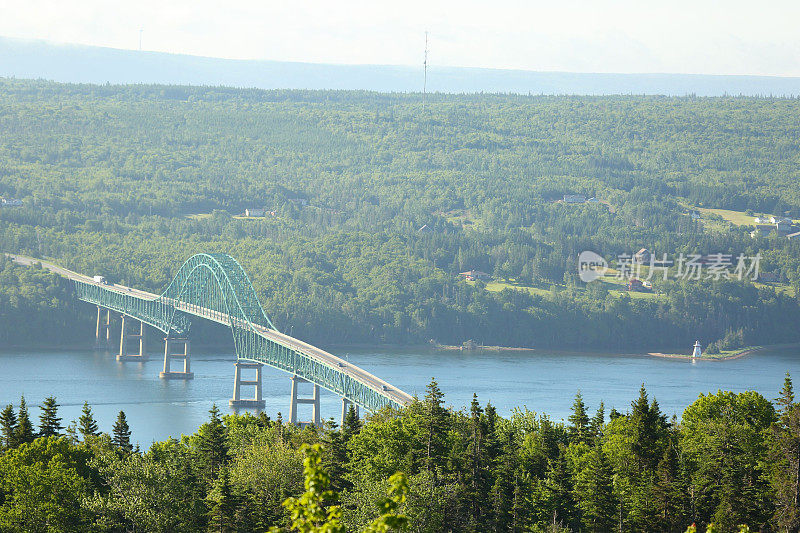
[
  {"x": 212, "y": 443},
  {"x": 121, "y": 433},
  {"x": 649, "y": 430},
  {"x": 579, "y": 420},
  {"x": 597, "y": 422},
  {"x": 555, "y": 503},
  {"x": 351, "y": 425},
  {"x": 335, "y": 456},
  {"x": 785, "y": 399},
  {"x": 434, "y": 428},
  {"x": 24, "y": 425},
  {"x": 8, "y": 427},
  {"x": 594, "y": 493},
  {"x": 477, "y": 473},
  {"x": 87, "y": 426},
  {"x": 222, "y": 505},
  {"x": 784, "y": 456},
  {"x": 669, "y": 490},
  {"x": 49, "y": 422}
]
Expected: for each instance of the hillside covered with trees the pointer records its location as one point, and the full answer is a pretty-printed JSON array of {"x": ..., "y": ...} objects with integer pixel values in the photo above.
[{"x": 374, "y": 206}]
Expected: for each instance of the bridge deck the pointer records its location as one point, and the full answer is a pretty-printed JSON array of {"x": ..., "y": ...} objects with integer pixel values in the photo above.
[{"x": 312, "y": 352}]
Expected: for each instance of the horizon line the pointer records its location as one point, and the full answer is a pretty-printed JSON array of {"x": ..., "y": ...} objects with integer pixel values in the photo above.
[{"x": 390, "y": 65}]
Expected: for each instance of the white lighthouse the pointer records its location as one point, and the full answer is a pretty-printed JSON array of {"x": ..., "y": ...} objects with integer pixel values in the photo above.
[{"x": 697, "y": 351}]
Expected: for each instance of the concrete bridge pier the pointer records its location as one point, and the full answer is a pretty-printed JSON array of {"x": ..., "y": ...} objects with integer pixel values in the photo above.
[
  {"x": 257, "y": 400},
  {"x": 125, "y": 338},
  {"x": 103, "y": 330},
  {"x": 346, "y": 407},
  {"x": 295, "y": 401},
  {"x": 168, "y": 373}
]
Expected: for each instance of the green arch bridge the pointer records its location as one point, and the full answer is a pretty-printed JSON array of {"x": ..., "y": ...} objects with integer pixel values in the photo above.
[{"x": 215, "y": 287}]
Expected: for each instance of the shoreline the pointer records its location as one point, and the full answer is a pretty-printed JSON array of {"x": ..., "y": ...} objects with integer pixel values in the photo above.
[
  {"x": 726, "y": 357},
  {"x": 748, "y": 350},
  {"x": 455, "y": 348}
]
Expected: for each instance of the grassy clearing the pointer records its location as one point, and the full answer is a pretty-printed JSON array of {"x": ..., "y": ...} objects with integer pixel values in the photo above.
[
  {"x": 615, "y": 288},
  {"x": 497, "y": 286},
  {"x": 199, "y": 216},
  {"x": 463, "y": 218},
  {"x": 737, "y": 218}
]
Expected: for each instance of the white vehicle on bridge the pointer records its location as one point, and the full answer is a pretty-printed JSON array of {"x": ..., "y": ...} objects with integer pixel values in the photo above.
[{"x": 100, "y": 279}]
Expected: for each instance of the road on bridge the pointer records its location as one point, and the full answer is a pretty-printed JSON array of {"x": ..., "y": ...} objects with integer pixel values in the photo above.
[{"x": 313, "y": 352}]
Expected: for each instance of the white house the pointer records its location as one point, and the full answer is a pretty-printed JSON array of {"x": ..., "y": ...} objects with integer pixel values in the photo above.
[{"x": 254, "y": 212}]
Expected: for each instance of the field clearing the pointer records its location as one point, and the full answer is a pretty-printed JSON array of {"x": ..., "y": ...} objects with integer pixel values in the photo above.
[
  {"x": 497, "y": 286},
  {"x": 737, "y": 218}
]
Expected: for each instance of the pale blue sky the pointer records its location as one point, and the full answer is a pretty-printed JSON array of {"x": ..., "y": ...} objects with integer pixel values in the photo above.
[{"x": 709, "y": 37}]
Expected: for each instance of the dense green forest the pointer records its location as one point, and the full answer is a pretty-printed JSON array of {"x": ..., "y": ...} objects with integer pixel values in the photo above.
[
  {"x": 374, "y": 205},
  {"x": 733, "y": 459}
]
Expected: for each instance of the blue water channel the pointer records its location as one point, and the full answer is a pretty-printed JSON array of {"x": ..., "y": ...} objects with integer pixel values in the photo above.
[{"x": 542, "y": 381}]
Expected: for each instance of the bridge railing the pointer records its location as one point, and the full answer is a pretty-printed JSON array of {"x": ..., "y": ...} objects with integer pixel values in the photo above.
[{"x": 215, "y": 287}]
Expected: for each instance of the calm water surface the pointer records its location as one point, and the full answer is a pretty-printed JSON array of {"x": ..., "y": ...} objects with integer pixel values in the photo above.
[{"x": 542, "y": 381}]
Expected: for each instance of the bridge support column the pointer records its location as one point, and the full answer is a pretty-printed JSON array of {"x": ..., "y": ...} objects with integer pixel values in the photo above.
[
  {"x": 125, "y": 337},
  {"x": 168, "y": 373},
  {"x": 346, "y": 404},
  {"x": 103, "y": 330},
  {"x": 295, "y": 401},
  {"x": 257, "y": 400}
]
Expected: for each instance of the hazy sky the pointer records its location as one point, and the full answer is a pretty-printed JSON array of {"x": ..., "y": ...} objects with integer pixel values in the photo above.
[{"x": 702, "y": 36}]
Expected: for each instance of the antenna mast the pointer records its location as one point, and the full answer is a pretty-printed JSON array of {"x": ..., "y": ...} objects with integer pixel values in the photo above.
[{"x": 425, "y": 72}]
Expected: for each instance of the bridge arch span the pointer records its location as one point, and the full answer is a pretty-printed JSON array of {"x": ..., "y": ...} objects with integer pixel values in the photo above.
[{"x": 215, "y": 287}]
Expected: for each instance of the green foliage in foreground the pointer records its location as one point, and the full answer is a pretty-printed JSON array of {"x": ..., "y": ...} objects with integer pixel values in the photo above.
[{"x": 732, "y": 460}]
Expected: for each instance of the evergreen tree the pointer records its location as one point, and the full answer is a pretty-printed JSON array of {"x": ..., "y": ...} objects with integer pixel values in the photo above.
[
  {"x": 478, "y": 485},
  {"x": 784, "y": 456},
  {"x": 87, "y": 426},
  {"x": 351, "y": 425},
  {"x": 222, "y": 505},
  {"x": 506, "y": 509},
  {"x": 648, "y": 426},
  {"x": 434, "y": 428},
  {"x": 578, "y": 420},
  {"x": 49, "y": 422},
  {"x": 597, "y": 423},
  {"x": 553, "y": 502},
  {"x": 121, "y": 433},
  {"x": 785, "y": 399},
  {"x": 24, "y": 425},
  {"x": 72, "y": 432},
  {"x": 212, "y": 444},
  {"x": 335, "y": 456},
  {"x": 8, "y": 427},
  {"x": 594, "y": 494},
  {"x": 668, "y": 491}
]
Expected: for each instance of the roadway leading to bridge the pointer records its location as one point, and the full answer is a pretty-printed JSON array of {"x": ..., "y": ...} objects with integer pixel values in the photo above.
[{"x": 313, "y": 352}]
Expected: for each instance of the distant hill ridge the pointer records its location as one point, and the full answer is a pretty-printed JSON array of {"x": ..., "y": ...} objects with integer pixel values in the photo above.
[{"x": 91, "y": 64}]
